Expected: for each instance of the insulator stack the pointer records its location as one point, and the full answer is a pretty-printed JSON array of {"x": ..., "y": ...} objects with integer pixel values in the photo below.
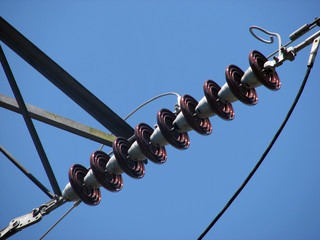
[
  {"x": 76, "y": 189},
  {"x": 172, "y": 128},
  {"x": 188, "y": 119},
  {"x": 267, "y": 77},
  {"x": 211, "y": 105},
  {"x": 165, "y": 133},
  {"x": 133, "y": 168},
  {"x": 241, "y": 86},
  {"x": 142, "y": 147},
  {"x": 238, "y": 90},
  {"x": 99, "y": 176}
]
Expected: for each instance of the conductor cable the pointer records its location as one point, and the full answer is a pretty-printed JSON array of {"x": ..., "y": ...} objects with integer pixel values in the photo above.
[{"x": 313, "y": 53}]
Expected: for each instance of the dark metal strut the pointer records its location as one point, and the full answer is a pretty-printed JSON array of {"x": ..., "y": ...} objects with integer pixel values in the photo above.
[
  {"x": 26, "y": 172},
  {"x": 29, "y": 123},
  {"x": 63, "y": 80},
  {"x": 59, "y": 121}
]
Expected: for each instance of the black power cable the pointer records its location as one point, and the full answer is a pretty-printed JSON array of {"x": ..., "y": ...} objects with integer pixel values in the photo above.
[{"x": 263, "y": 155}]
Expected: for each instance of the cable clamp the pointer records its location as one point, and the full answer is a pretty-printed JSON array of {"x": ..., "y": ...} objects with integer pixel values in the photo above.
[
  {"x": 313, "y": 52},
  {"x": 284, "y": 54},
  {"x": 20, "y": 223}
]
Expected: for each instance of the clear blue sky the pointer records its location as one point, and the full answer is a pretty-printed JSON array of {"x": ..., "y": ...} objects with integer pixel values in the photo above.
[{"x": 127, "y": 52}]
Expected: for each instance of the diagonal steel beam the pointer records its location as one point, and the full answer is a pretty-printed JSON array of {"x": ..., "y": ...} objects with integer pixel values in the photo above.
[
  {"x": 63, "y": 80},
  {"x": 26, "y": 172},
  {"x": 29, "y": 123},
  {"x": 58, "y": 121}
]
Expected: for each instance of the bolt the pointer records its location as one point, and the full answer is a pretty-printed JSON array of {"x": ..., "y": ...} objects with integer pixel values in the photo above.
[{"x": 15, "y": 223}]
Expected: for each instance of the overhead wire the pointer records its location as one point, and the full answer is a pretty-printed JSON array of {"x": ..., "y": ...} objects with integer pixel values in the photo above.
[
  {"x": 234, "y": 196},
  {"x": 149, "y": 101},
  {"x": 145, "y": 103},
  {"x": 313, "y": 53},
  {"x": 73, "y": 206}
]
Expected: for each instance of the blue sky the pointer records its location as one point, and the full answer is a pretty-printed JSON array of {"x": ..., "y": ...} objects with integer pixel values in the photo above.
[{"x": 126, "y": 52}]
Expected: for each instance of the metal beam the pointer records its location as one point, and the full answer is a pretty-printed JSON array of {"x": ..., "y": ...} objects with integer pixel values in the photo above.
[
  {"x": 26, "y": 172},
  {"x": 30, "y": 126},
  {"x": 63, "y": 80},
  {"x": 58, "y": 121}
]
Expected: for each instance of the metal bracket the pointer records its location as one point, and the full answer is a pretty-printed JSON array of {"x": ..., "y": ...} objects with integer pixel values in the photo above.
[
  {"x": 19, "y": 223},
  {"x": 51, "y": 205},
  {"x": 290, "y": 53},
  {"x": 314, "y": 50},
  {"x": 284, "y": 54}
]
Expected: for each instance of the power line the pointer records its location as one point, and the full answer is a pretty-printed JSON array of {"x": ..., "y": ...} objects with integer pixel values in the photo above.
[{"x": 262, "y": 157}]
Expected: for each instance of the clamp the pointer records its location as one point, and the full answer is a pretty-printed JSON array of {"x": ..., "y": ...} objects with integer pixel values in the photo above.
[{"x": 19, "y": 223}]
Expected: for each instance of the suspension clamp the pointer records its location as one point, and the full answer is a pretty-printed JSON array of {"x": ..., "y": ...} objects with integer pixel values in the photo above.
[{"x": 19, "y": 223}]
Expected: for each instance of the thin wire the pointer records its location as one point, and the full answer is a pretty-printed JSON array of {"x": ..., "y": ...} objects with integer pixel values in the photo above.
[
  {"x": 262, "y": 157},
  {"x": 145, "y": 103},
  {"x": 151, "y": 100},
  {"x": 74, "y": 205}
]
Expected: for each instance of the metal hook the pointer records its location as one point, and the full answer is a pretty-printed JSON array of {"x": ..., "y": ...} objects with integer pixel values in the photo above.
[
  {"x": 259, "y": 38},
  {"x": 268, "y": 33}
]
